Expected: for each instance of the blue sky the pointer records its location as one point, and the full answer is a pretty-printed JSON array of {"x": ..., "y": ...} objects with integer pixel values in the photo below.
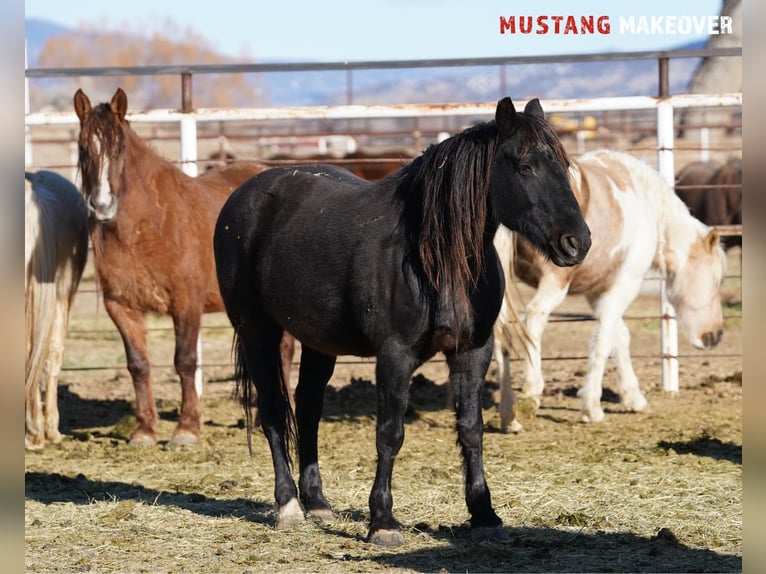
[{"x": 333, "y": 30}]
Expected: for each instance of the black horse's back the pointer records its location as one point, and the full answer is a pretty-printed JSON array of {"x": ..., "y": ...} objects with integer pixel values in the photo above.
[{"x": 301, "y": 245}]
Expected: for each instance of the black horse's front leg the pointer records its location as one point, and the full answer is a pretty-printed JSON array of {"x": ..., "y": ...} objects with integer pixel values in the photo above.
[
  {"x": 394, "y": 368},
  {"x": 467, "y": 373}
]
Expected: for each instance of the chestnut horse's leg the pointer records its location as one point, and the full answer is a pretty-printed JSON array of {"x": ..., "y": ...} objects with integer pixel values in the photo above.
[
  {"x": 467, "y": 372},
  {"x": 130, "y": 324},
  {"x": 287, "y": 352},
  {"x": 185, "y": 360},
  {"x": 393, "y": 371},
  {"x": 315, "y": 372}
]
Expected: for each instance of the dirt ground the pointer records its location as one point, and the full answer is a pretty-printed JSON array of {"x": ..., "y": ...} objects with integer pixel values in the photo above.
[{"x": 655, "y": 491}]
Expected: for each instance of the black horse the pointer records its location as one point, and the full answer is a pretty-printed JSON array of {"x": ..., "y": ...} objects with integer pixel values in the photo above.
[{"x": 400, "y": 269}]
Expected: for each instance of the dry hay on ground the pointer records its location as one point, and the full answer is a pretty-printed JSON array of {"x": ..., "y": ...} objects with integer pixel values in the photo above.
[{"x": 656, "y": 491}]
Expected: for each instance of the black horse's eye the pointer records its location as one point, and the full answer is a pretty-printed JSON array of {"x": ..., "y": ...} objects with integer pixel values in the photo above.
[{"x": 525, "y": 169}]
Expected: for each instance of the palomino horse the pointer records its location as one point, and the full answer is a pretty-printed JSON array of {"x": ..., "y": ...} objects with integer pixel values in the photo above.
[
  {"x": 713, "y": 193},
  {"x": 55, "y": 253},
  {"x": 637, "y": 223},
  {"x": 151, "y": 227},
  {"x": 399, "y": 269}
]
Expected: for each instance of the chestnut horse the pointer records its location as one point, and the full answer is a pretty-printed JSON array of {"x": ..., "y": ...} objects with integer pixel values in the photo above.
[
  {"x": 151, "y": 226},
  {"x": 55, "y": 253},
  {"x": 638, "y": 223},
  {"x": 400, "y": 269}
]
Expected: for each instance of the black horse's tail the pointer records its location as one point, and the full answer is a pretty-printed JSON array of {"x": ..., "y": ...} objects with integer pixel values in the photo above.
[
  {"x": 253, "y": 330},
  {"x": 247, "y": 391}
]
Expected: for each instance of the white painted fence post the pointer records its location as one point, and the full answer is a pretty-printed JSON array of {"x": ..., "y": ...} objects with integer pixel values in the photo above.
[
  {"x": 28, "y": 160},
  {"x": 668, "y": 323},
  {"x": 705, "y": 144},
  {"x": 189, "y": 166}
]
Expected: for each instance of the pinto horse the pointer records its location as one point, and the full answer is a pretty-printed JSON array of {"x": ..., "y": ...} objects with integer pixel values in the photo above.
[
  {"x": 400, "y": 269},
  {"x": 638, "y": 223},
  {"x": 151, "y": 227},
  {"x": 55, "y": 253}
]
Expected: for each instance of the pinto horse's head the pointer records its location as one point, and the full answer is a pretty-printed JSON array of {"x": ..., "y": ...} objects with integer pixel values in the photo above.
[
  {"x": 529, "y": 187},
  {"x": 101, "y": 157},
  {"x": 695, "y": 274}
]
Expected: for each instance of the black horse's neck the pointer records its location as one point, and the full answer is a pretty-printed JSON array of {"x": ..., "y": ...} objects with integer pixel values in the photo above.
[{"x": 445, "y": 191}]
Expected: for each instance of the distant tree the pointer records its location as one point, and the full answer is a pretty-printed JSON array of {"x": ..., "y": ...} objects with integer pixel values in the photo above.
[{"x": 102, "y": 46}]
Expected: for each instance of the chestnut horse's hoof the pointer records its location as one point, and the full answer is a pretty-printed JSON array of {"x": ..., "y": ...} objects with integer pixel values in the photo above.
[
  {"x": 142, "y": 438},
  {"x": 388, "y": 538},
  {"x": 183, "y": 437},
  {"x": 490, "y": 533}
]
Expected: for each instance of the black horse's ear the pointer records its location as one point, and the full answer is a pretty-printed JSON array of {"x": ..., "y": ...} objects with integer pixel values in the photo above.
[
  {"x": 505, "y": 117},
  {"x": 533, "y": 108},
  {"x": 119, "y": 103},
  {"x": 81, "y": 105}
]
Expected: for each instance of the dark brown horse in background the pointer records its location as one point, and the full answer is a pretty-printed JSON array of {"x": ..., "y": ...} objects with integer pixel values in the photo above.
[
  {"x": 372, "y": 164},
  {"x": 151, "y": 226},
  {"x": 713, "y": 193}
]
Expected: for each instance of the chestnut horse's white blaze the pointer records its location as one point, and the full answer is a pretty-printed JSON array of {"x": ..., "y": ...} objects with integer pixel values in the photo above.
[
  {"x": 637, "y": 223},
  {"x": 102, "y": 203}
]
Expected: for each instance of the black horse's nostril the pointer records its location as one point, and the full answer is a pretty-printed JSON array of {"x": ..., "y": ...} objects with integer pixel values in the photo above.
[{"x": 570, "y": 245}]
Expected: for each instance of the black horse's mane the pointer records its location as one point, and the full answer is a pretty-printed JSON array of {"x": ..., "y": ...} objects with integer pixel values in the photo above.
[{"x": 446, "y": 192}]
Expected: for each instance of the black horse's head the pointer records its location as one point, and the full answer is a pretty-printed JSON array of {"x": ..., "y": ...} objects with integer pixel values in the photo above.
[
  {"x": 529, "y": 186},
  {"x": 101, "y": 147}
]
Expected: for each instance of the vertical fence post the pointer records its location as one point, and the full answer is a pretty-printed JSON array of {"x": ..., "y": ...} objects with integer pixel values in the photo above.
[
  {"x": 28, "y": 160},
  {"x": 349, "y": 87},
  {"x": 189, "y": 166},
  {"x": 704, "y": 144},
  {"x": 668, "y": 324}
]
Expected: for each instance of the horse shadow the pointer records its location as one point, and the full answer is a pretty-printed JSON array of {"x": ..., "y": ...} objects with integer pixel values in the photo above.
[
  {"x": 78, "y": 413},
  {"x": 358, "y": 399},
  {"x": 544, "y": 549},
  {"x": 528, "y": 549},
  {"x": 706, "y": 446},
  {"x": 49, "y": 488}
]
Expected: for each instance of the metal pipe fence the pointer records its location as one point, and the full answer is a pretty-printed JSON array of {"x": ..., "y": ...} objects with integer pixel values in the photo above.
[{"x": 188, "y": 119}]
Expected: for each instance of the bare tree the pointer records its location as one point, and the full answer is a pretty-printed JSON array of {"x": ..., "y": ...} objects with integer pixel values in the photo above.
[{"x": 99, "y": 45}]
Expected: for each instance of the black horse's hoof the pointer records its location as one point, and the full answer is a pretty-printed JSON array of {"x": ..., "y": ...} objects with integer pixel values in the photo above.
[
  {"x": 321, "y": 515},
  {"x": 490, "y": 533},
  {"x": 387, "y": 538}
]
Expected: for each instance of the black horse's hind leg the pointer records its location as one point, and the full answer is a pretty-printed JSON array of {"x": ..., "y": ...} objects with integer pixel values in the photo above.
[
  {"x": 259, "y": 340},
  {"x": 315, "y": 371},
  {"x": 467, "y": 372},
  {"x": 394, "y": 368}
]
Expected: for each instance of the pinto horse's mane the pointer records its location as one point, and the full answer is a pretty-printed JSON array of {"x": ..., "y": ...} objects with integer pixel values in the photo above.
[{"x": 447, "y": 190}]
